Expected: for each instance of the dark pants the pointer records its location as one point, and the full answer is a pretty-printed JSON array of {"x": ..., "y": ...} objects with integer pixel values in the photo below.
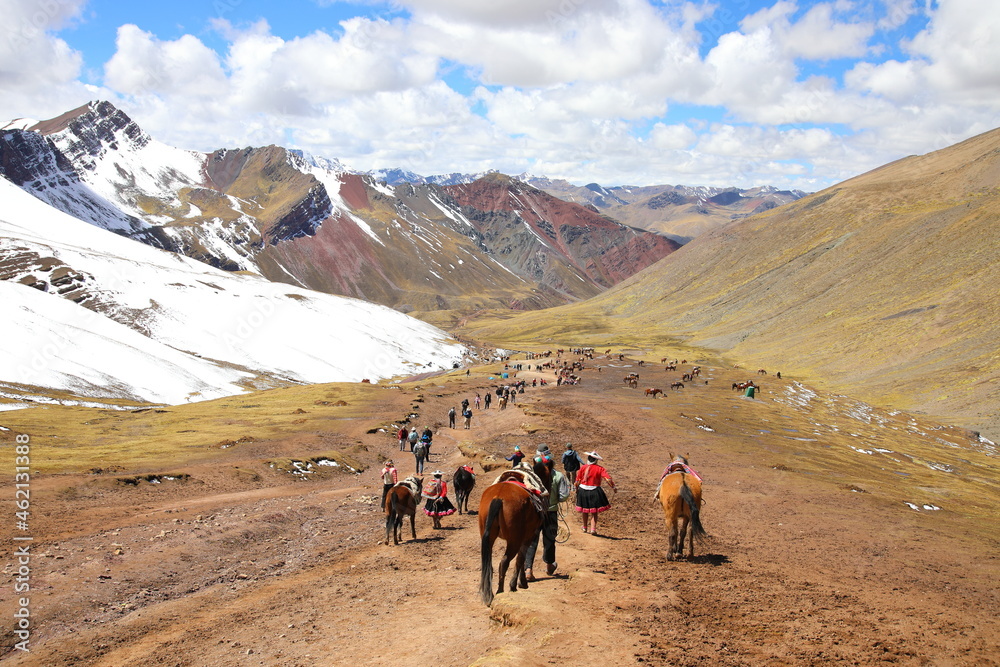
[
  {"x": 385, "y": 492},
  {"x": 550, "y": 527}
]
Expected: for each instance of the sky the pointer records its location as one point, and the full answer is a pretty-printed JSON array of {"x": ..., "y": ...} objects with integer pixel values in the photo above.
[{"x": 795, "y": 94}]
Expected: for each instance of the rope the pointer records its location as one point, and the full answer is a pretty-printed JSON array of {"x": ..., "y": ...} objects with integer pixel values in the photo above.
[{"x": 562, "y": 518}]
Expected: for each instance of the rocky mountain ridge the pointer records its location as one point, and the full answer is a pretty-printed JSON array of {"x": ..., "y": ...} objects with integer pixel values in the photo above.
[{"x": 308, "y": 221}]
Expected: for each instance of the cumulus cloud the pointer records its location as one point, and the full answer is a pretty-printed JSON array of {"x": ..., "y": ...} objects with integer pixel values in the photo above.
[
  {"x": 31, "y": 57},
  {"x": 143, "y": 64},
  {"x": 607, "y": 91},
  {"x": 817, "y": 35}
]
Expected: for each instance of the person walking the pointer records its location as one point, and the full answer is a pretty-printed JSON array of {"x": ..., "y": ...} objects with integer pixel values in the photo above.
[
  {"x": 468, "y": 418},
  {"x": 550, "y": 522},
  {"x": 590, "y": 497},
  {"x": 571, "y": 462},
  {"x": 427, "y": 437},
  {"x": 413, "y": 437},
  {"x": 488, "y": 399},
  {"x": 389, "y": 479},
  {"x": 402, "y": 434},
  {"x": 478, "y": 399},
  {"x": 420, "y": 455},
  {"x": 516, "y": 457},
  {"x": 451, "y": 417},
  {"x": 437, "y": 504}
]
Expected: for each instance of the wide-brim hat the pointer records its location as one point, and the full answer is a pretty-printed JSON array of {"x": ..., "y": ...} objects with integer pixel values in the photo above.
[
  {"x": 542, "y": 448},
  {"x": 595, "y": 455},
  {"x": 388, "y": 462},
  {"x": 437, "y": 473}
]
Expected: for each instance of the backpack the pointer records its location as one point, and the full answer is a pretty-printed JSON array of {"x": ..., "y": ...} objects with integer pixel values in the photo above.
[{"x": 420, "y": 449}]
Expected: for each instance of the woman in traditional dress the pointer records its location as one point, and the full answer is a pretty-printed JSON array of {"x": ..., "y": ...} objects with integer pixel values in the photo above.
[
  {"x": 590, "y": 497},
  {"x": 436, "y": 493}
]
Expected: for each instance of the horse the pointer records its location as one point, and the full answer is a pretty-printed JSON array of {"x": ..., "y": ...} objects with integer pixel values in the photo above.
[
  {"x": 650, "y": 391},
  {"x": 464, "y": 480},
  {"x": 402, "y": 499},
  {"x": 680, "y": 495},
  {"x": 676, "y": 385},
  {"x": 506, "y": 510},
  {"x": 761, "y": 371}
]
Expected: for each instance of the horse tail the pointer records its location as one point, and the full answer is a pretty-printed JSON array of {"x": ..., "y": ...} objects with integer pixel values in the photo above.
[
  {"x": 486, "y": 567},
  {"x": 696, "y": 528}
]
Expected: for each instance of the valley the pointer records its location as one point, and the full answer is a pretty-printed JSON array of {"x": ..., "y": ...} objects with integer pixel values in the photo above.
[{"x": 839, "y": 532}]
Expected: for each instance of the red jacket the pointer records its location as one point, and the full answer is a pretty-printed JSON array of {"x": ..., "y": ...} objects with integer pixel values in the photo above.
[{"x": 591, "y": 475}]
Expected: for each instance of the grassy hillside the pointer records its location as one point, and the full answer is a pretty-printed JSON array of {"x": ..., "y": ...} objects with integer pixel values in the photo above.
[{"x": 884, "y": 285}]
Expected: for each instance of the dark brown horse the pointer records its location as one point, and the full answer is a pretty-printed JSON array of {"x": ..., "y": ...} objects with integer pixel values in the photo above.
[
  {"x": 506, "y": 510},
  {"x": 402, "y": 499},
  {"x": 464, "y": 481},
  {"x": 651, "y": 391},
  {"x": 680, "y": 495}
]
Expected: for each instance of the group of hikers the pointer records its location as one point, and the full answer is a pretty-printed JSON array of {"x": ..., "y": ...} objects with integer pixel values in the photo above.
[
  {"x": 419, "y": 443},
  {"x": 585, "y": 477}
]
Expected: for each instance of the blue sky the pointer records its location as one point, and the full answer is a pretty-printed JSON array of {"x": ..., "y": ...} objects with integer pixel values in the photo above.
[{"x": 797, "y": 94}]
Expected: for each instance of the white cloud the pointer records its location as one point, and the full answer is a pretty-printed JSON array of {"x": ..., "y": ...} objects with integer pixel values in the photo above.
[
  {"x": 503, "y": 13},
  {"x": 143, "y": 64},
  {"x": 817, "y": 35},
  {"x": 962, "y": 46},
  {"x": 31, "y": 57}
]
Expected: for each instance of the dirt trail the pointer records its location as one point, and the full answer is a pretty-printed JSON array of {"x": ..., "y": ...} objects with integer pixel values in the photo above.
[{"x": 798, "y": 570}]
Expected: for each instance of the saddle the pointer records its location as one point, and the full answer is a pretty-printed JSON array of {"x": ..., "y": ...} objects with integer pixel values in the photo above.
[
  {"x": 411, "y": 484},
  {"x": 675, "y": 466},
  {"x": 525, "y": 477}
]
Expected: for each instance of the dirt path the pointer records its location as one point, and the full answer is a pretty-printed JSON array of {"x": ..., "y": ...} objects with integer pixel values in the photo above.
[{"x": 799, "y": 569}]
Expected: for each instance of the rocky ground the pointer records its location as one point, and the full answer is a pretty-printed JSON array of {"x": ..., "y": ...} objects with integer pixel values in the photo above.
[{"x": 809, "y": 559}]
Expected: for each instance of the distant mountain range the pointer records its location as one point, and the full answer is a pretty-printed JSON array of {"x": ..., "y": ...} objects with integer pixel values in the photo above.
[
  {"x": 883, "y": 286},
  {"x": 680, "y": 212},
  {"x": 307, "y": 221}
]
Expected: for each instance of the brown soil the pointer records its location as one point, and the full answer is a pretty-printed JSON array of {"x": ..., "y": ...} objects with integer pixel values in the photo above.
[{"x": 243, "y": 565}]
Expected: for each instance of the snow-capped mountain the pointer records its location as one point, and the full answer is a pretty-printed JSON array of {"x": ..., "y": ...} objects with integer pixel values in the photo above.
[
  {"x": 307, "y": 221},
  {"x": 96, "y": 314}
]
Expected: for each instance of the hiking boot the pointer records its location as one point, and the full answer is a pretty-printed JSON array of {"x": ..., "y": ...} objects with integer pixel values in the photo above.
[{"x": 550, "y": 569}]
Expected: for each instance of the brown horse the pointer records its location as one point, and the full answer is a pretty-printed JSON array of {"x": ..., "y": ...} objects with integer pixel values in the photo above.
[
  {"x": 507, "y": 511},
  {"x": 402, "y": 499},
  {"x": 680, "y": 495},
  {"x": 650, "y": 391},
  {"x": 676, "y": 385}
]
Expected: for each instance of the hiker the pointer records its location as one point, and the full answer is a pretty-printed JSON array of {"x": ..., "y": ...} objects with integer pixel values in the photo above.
[
  {"x": 550, "y": 523},
  {"x": 389, "y": 479},
  {"x": 571, "y": 462},
  {"x": 516, "y": 457},
  {"x": 420, "y": 454}
]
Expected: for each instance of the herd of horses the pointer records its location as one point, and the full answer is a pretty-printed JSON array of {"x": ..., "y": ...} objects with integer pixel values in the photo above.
[{"x": 508, "y": 511}]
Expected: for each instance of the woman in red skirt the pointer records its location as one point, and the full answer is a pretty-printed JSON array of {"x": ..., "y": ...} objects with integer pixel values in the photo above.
[
  {"x": 437, "y": 504},
  {"x": 590, "y": 497}
]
